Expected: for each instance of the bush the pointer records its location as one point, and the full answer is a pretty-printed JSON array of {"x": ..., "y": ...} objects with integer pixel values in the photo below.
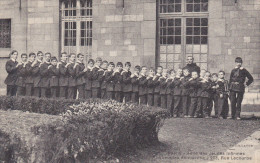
[{"x": 98, "y": 129}]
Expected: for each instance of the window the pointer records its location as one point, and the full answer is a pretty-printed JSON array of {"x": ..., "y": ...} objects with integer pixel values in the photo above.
[
  {"x": 76, "y": 26},
  {"x": 5, "y": 33},
  {"x": 182, "y": 34}
]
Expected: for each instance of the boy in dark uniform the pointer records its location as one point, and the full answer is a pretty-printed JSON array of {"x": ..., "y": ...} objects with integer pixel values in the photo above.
[
  {"x": 36, "y": 74},
  {"x": 88, "y": 78},
  {"x": 45, "y": 79},
  {"x": 97, "y": 75},
  {"x": 21, "y": 76},
  {"x": 143, "y": 86},
  {"x": 110, "y": 79},
  {"x": 103, "y": 86},
  {"x": 135, "y": 84},
  {"x": 185, "y": 98},
  {"x": 193, "y": 84},
  {"x": 156, "y": 84},
  {"x": 11, "y": 68},
  {"x": 54, "y": 77},
  {"x": 118, "y": 82},
  {"x": 222, "y": 92},
  {"x": 80, "y": 79},
  {"x": 213, "y": 100},
  {"x": 163, "y": 88},
  {"x": 63, "y": 78},
  {"x": 72, "y": 77},
  {"x": 29, "y": 76},
  {"x": 237, "y": 87},
  {"x": 150, "y": 87},
  {"x": 177, "y": 95},
  {"x": 127, "y": 85},
  {"x": 170, "y": 91}
]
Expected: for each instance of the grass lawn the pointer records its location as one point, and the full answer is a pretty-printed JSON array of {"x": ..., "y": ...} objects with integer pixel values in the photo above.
[{"x": 194, "y": 137}]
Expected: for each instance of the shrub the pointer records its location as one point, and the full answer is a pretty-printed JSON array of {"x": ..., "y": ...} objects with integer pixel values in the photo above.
[{"x": 98, "y": 129}]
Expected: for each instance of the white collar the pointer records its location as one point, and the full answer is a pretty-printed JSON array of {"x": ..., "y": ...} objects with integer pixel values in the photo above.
[
  {"x": 47, "y": 62},
  {"x": 39, "y": 61},
  {"x": 241, "y": 68},
  {"x": 97, "y": 66},
  {"x": 158, "y": 74},
  {"x": 90, "y": 67},
  {"x": 13, "y": 60}
]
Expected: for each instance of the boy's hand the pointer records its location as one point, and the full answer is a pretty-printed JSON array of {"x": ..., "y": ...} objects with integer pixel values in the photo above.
[
  {"x": 190, "y": 79},
  {"x": 236, "y": 82},
  {"x": 221, "y": 95},
  {"x": 49, "y": 66}
]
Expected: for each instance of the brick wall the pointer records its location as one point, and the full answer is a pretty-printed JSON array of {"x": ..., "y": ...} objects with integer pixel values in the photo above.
[{"x": 125, "y": 32}]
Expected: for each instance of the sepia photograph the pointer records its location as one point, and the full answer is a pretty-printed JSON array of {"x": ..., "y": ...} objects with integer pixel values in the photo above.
[{"x": 129, "y": 81}]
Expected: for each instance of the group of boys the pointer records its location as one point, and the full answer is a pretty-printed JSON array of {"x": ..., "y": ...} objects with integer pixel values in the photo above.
[{"x": 183, "y": 93}]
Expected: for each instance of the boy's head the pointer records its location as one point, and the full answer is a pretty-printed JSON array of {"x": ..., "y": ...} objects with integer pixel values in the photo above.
[
  {"x": 91, "y": 62},
  {"x": 194, "y": 74},
  {"x": 221, "y": 74},
  {"x": 119, "y": 66},
  {"x": 24, "y": 57},
  {"x": 13, "y": 54},
  {"x": 238, "y": 61},
  {"x": 32, "y": 57},
  {"x": 104, "y": 64},
  {"x": 64, "y": 57},
  {"x": 159, "y": 70},
  {"x": 80, "y": 57},
  {"x": 40, "y": 55},
  {"x": 151, "y": 71},
  {"x": 111, "y": 66},
  {"x": 165, "y": 73},
  {"x": 207, "y": 75},
  {"x": 127, "y": 65},
  {"x": 72, "y": 57},
  {"x": 98, "y": 61},
  {"x": 172, "y": 73},
  {"x": 48, "y": 57},
  {"x": 144, "y": 70},
  {"x": 137, "y": 69},
  {"x": 186, "y": 72},
  {"x": 54, "y": 61},
  {"x": 179, "y": 72},
  {"x": 214, "y": 77},
  {"x": 202, "y": 73}
]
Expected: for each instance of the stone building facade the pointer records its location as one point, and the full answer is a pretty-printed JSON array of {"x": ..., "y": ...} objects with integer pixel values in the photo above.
[{"x": 144, "y": 32}]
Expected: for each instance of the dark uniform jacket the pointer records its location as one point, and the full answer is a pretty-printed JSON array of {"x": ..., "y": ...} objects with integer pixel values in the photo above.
[
  {"x": 192, "y": 67},
  {"x": 156, "y": 83},
  {"x": 127, "y": 85},
  {"x": 63, "y": 79},
  {"x": 239, "y": 75},
  {"x": 29, "y": 76},
  {"x": 45, "y": 78},
  {"x": 97, "y": 76},
  {"x": 223, "y": 87},
  {"x": 185, "y": 86},
  {"x": 163, "y": 85},
  {"x": 150, "y": 86},
  {"x": 118, "y": 81},
  {"x": 199, "y": 89},
  {"x": 177, "y": 87},
  {"x": 80, "y": 79},
  {"x": 143, "y": 89},
  {"x": 88, "y": 81},
  {"x": 193, "y": 87},
  {"x": 109, "y": 80},
  {"x": 11, "y": 69},
  {"x": 102, "y": 80},
  {"x": 21, "y": 76},
  {"x": 72, "y": 75},
  {"x": 36, "y": 74},
  {"x": 170, "y": 87},
  {"x": 205, "y": 89},
  {"x": 135, "y": 83},
  {"x": 54, "y": 76}
]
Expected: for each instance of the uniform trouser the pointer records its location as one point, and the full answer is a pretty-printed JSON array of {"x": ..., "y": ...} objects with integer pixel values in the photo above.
[
  {"x": 156, "y": 99},
  {"x": 213, "y": 99},
  {"x": 143, "y": 99},
  {"x": 28, "y": 89},
  {"x": 163, "y": 101},
  {"x": 11, "y": 90},
  {"x": 63, "y": 92},
  {"x": 95, "y": 92},
  {"x": 199, "y": 109},
  {"x": 81, "y": 91},
  {"x": 170, "y": 104},
  {"x": 45, "y": 92},
  {"x": 37, "y": 92},
  {"x": 20, "y": 91},
  {"x": 177, "y": 109},
  {"x": 88, "y": 94},
  {"x": 150, "y": 99},
  {"x": 223, "y": 107},
  {"x": 54, "y": 92},
  {"x": 193, "y": 105},
  {"x": 204, "y": 106},
  {"x": 119, "y": 96},
  {"x": 185, "y": 99},
  {"x": 236, "y": 99},
  {"x": 72, "y": 92},
  {"x": 103, "y": 93},
  {"x": 109, "y": 95},
  {"x": 134, "y": 97},
  {"x": 127, "y": 96}
]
